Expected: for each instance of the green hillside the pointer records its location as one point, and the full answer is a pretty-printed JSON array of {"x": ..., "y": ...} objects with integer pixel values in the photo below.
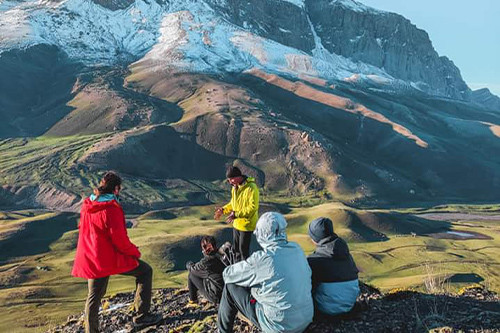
[{"x": 37, "y": 249}]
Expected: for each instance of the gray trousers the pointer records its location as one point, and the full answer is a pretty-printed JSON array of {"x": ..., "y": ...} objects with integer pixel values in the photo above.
[
  {"x": 235, "y": 299},
  {"x": 97, "y": 289}
]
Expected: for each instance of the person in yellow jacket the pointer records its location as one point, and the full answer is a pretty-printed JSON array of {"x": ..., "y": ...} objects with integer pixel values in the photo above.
[{"x": 242, "y": 210}]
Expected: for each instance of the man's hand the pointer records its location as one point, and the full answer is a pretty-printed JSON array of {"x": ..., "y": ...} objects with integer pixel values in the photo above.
[
  {"x": 231, "y": 217},
  {"x": 189, "y": 264},
  {"x": 219, "y": 211}
]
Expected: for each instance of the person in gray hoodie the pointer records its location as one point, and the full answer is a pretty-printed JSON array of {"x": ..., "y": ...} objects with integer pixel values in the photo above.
[
  {"x": 334, "y": 274},
  {"x": 272, "y": 288}
]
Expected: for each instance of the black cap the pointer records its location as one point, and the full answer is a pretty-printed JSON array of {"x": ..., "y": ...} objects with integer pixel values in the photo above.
[{"x": 233, "y": 172}]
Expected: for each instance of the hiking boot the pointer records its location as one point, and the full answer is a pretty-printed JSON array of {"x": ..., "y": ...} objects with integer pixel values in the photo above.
[
  {"x": 192, "y": 305},
  {"x": 147, "y": 320},
  {"x": 241, "y": 317}
]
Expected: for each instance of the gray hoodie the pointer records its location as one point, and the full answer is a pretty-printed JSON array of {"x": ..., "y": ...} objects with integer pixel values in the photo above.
[{"x": 279, "y": 277}]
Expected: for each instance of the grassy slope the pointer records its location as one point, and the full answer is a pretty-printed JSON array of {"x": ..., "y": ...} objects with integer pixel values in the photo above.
[
  {"x": 54, "y": 162},
  {"x": 29, "y": 161},
  {"x": 169, "y": 238}
]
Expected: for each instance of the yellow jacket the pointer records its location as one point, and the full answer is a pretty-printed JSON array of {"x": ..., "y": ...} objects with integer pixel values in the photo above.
[{"x": 245, "y": 204}]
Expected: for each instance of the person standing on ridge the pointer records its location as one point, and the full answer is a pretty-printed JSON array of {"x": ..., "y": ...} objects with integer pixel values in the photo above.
[
  {"x": 242, "y": 210},
  {"x": 104, "y": 249}
]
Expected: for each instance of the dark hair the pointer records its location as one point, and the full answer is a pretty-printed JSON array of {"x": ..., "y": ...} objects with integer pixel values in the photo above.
[
  {"x": 208, "y": 242},
  {"x": 233, "y": 171},
  {"x": 108, "y": 183}
]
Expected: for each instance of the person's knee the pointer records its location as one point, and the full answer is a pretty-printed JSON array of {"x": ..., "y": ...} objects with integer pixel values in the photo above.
[
  {"x": 147, "y": 270},
  {"x": 231, "y": 288}
]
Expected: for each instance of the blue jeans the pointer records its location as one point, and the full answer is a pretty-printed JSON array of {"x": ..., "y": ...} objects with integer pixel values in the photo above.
[{"x": 234, "y": 299}]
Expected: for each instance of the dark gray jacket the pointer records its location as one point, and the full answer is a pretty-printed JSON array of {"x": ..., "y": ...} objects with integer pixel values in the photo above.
[
  {"x": 332, "y": 262},
  {"x": 210, "y": 269},
  {"x": 334, "y": 276}
]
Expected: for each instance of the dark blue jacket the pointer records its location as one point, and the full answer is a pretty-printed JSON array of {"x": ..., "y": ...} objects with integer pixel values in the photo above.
[{"x": 334, "y": 276}]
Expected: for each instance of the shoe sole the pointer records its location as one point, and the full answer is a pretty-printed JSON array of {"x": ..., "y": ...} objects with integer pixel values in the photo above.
[{"x": 141, "y": 326}]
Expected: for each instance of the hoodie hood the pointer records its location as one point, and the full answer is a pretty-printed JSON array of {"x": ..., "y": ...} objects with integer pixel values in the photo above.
[
  {"x": 250, "y": 180},
  {"x": 332, "y": 262},
  {"x": 271, "y": 230},
  {"x": 333, "y": 247},
  {"x": 92, "y": 206},
  {"x": 247, "y": 181},
  {"x": 104, "y": 197}
]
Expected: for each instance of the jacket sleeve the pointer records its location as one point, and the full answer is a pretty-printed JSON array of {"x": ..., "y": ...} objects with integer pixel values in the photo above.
[
  {"x": 200, "y": 269},
  {"x": 248, "y": 273},
  {"x": 228, "y": 208},
  {"x": 314, "y": 275},
  {"x": 251, "y": 206},
  {"x": 115, "y": 221}
]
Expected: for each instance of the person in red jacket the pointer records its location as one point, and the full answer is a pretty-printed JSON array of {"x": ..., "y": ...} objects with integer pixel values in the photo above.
[{"x": 104, "y": 249}]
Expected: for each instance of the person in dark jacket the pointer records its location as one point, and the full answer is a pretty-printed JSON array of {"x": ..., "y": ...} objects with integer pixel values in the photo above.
[
  {"x": 334, "y": 273},
  {"x": 205, "y": 276}
]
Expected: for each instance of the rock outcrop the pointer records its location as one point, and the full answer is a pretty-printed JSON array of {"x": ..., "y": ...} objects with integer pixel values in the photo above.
[
  {"x": 485, "y": 98},
  {"x": 474, "y": 310}
]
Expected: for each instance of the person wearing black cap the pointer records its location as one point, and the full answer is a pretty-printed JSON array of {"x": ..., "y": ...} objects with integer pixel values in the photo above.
[
  {"x": 242, "y": 210},
  {"x": 334, "y": 273}
]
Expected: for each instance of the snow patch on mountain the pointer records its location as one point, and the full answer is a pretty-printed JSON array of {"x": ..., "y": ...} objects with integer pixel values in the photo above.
[
  {"x": 355, "y": 6},
  {"x": 15, "y": 29},
  {"x": 199, "y": 40},
  {"x": 298, "y": 3},
  {"x": 91, "y": 32},
  {"x": 187, "y": 35}
]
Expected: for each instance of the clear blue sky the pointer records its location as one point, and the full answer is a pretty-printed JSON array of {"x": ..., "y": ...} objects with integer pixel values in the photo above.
[{"x": 467, "y": 32}]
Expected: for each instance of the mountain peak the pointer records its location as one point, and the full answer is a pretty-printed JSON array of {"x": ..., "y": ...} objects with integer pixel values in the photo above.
[
  {"x": 486, "y": 98},
  {"x": 354, "y": 5}
]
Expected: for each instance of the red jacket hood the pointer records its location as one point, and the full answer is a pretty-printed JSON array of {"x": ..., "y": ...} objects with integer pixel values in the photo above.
[
  {"x": 95, "y": 206},
  {"x": 103, "y": 247}
]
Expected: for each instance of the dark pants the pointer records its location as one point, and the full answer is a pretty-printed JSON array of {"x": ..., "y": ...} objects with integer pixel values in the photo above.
[
  {"x": 195, "y": 284},
  {"x": 234, "y": 299},
  {"x": 241, "y": 241},
  {"x": 97, "y": 289}
]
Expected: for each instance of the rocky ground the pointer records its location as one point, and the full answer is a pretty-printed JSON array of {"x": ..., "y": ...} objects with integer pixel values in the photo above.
[{"x": 474, "y": 309}]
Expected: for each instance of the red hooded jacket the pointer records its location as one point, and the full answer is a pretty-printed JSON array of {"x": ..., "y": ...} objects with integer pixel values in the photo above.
[{"x": 103, "y": 248}]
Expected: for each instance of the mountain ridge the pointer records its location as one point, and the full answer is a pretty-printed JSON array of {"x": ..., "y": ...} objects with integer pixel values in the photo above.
[{"x": 88, "y": 31}]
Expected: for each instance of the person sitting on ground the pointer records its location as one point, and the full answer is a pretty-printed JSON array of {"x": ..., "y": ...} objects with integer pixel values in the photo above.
[
  {"x": 334, "y": 273},
  {"x": 242, "y": 210},
  {"x": 272, "y": 288},
  {"x": 205, "y": 276},
  {"x": 104, "y": 249}
]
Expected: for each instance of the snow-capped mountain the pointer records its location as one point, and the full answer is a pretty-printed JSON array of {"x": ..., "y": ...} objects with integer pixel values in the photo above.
[
  {"x": 331, "y": 40},
  {"x": 306, "y": 95}
]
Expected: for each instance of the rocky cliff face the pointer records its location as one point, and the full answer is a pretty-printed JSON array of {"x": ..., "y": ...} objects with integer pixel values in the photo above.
[
  {"x": 385, "y": 40},
  {"x": 281, "y": 21},
  {"x": 486, "y": 98},
  {"x": 350, "y": 29}
]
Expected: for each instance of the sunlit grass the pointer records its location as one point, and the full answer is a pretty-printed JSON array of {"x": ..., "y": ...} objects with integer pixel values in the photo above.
[{"x": 401, "y": 261}]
